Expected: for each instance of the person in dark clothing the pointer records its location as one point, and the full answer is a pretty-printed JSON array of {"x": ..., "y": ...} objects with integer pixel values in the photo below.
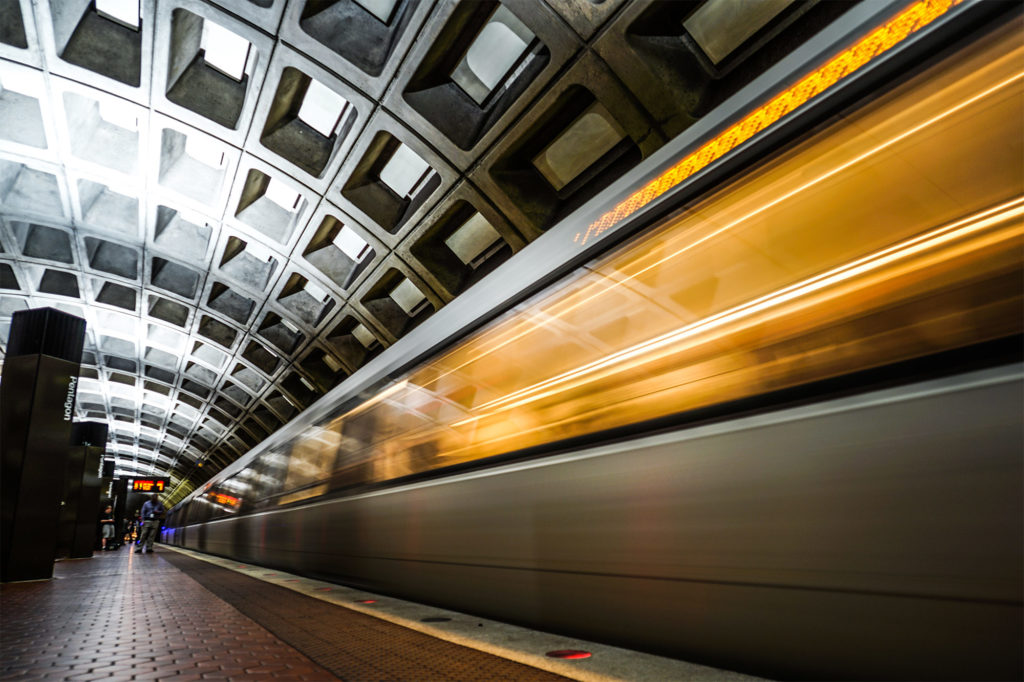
[
  {"x": 107, "y": 527},
  {"x": 152, "y": 514}
]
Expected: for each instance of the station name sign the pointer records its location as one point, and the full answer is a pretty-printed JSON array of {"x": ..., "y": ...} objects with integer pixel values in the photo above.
[{"x": 149, "y": 485}]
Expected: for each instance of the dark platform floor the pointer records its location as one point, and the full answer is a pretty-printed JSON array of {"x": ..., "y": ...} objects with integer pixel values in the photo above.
[{"x": 166, "y": 616}]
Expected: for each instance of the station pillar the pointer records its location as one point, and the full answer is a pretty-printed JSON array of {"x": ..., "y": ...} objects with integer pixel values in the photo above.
[
  {"x": 120, "y": 504},
  {"x": 37, "y": 403},
  {"x": 80, "y": 511}
]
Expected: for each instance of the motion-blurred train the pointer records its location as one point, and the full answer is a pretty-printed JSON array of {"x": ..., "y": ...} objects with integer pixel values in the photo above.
[{"x": 759, "y": 405}]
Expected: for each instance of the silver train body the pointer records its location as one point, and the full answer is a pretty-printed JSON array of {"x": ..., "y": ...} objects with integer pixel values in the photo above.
[
  {"x": 870, "y": 533},
  {"x": 866, "y": 537}
]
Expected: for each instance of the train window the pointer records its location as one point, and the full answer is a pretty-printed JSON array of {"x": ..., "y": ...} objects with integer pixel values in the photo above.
[
  {"x": 312, "y": 459},
  {"x": 303, "y": 494},
  {"x": 269, "y": 468},
  {"x": 593, "y": 134},
  {"x": 199, "y": 510}
]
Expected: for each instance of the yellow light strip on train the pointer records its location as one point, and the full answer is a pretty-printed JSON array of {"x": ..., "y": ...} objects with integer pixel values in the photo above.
[
  {"x": 809, "y": 184},
  {"x": 968, "y": 227},
  {"x": 885, "y": 37}
]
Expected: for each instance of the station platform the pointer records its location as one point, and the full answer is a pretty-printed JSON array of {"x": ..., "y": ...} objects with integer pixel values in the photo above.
[{"x": 178, "y": 615}]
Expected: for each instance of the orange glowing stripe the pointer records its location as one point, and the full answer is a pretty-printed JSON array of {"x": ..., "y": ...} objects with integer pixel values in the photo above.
[
  {"x": 225, "y": 499},
  {"x": 912, "y": 19},
  {"x": 565, "y": 307},
  {"x": 862, "y": 267}
]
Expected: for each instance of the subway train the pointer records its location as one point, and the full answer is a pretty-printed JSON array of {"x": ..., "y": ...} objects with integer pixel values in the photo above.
[{"x": 759, "y": 405}]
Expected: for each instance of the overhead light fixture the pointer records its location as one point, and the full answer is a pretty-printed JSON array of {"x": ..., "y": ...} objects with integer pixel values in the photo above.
[
  {"x": 316, "y": 291},
  {"x": 120, "y": 113},
  {"x": 405, "y": 172},
  {"x": 720, "y": 26},
  {"x": 351, "y": 244},
  {"x": 24, "y": 82},
  {"x": 322, "y": 108},
  {"x": 364, "y": 336},
  {"x": 205, "y": 153},
  {"x": 592, "y": 135},
  {"x": 381, "y": 9},
  {"x": 224, "y": 50},
  {"x": 282, "y": 195},
  {"x": 125, "y": 12},
  {"x": 408, "y": 297},
  {"x": 259, "y": 251},
  {"x": 474, "y": 241},
  {"x": 494, "y": 53},
  {"x": 333, "y": 364}
]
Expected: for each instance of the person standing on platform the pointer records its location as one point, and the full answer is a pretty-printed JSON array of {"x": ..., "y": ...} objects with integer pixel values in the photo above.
[
  {"x": 152, "y": 513},
  {"x": 107, "y": 527}
]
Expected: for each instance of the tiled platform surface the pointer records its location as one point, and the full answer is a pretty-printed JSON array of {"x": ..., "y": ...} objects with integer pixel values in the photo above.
[{"x": 122, "y": 616}]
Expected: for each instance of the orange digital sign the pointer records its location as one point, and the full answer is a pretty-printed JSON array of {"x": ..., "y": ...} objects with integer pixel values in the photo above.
[
  {"x": 221, "y": 498},
  {"x": 149, "y": 485}
]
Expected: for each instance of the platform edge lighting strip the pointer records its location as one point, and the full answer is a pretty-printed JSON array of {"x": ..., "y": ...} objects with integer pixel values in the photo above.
[{"x": 882, "y": 39}]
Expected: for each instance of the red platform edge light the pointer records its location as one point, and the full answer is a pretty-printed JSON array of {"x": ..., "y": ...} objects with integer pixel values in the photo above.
[
  {"x": 325, "y": 589},
  {"x": 568, "y": 653},
  {"x": 367, "y": 601}
]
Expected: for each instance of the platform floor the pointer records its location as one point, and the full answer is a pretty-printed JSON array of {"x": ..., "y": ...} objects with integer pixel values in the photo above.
[{"x": 175, "y": 615}]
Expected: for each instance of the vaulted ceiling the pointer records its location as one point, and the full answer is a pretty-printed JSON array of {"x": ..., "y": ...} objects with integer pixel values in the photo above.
[{"x": 248, "y": 200}]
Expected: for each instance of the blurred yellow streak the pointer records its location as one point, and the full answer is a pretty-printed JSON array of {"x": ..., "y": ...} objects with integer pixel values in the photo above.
[{"x": 896, "y": 232}]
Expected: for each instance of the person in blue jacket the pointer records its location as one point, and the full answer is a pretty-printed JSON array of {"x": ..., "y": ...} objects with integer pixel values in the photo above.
[{"x": 152, "y": 514}]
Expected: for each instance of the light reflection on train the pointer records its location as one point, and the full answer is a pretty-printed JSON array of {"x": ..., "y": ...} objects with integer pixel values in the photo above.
[{"x": 874, "y": 535}]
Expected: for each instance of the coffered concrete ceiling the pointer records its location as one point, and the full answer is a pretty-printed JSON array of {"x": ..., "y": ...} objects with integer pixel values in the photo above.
[{"x": 247, "y": 200}]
